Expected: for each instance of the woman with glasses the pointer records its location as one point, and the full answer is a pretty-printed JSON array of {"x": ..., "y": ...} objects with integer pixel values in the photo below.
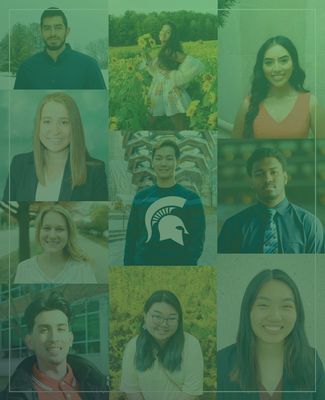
[
  {"x": 163, "y": 362},
  {"x": 271, "y": 356}
]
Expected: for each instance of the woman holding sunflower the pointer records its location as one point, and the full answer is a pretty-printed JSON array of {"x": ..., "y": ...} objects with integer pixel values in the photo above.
[{"x": 172, "y": 70}]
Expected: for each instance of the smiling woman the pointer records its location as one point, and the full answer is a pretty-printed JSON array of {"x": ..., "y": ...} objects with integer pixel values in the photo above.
[
  {"x": 60, "y": 261},
  {"x": 278, "y": 105},
  {"x": 271, "y": 354},
  {"x": 163, "y": 362},
  {"x": 60, "y": 167}
]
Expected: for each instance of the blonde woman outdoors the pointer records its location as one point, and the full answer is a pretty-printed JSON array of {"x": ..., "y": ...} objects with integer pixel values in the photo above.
[
  {"x": 60, "y": 261},
  {"x": 59, "y": 167}
]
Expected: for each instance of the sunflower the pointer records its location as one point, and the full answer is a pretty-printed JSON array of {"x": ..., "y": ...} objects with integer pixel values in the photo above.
[
  {"x": 212, "y": 120},
  {"x": 113, "y": 123},
  {"x": 192, "y": 108}
]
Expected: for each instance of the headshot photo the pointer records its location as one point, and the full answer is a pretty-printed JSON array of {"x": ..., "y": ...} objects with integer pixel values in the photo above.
[
  {"x": 267, "y": 74},
  {"x": 269, "y": 345},
  {"x": 255, "y": 213},
  {"x": 63, "y": 134},
  {"x": 163, "y": 66},
  {"x": 58, "y": 342},
  {"x": 162, "y": 209},
  {"x": 55, "y": 242},
  {"x": 49, "y": 61},
  {"x": 162, "y": 334}
]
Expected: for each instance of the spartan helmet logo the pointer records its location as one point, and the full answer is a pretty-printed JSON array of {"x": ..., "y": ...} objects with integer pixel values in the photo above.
[{"x": 169, "y": 226}]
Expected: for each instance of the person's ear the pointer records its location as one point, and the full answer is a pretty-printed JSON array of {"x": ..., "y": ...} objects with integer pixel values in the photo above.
[
  {"x": 285, "y": 175},
  {"x": 28, "y": 342},
  {"x": 70, "y": 338},
  {"x": 68, "y": 31}
]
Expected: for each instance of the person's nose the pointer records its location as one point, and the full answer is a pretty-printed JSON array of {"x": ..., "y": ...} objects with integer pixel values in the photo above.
[
  {"x": 52, "y": 233},
  {"x": 274, "y": 314},
  {"x": 53, "y": 335},
  {"x": 268, "y": 177},
  {"x": 276, "y": 66},
  {"x": 55, "y": 128}
]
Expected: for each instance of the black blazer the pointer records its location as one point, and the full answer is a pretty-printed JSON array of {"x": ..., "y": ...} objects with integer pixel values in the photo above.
[
  {"x": 225, "y": 363},
  {"x": 23, "y": 181}
]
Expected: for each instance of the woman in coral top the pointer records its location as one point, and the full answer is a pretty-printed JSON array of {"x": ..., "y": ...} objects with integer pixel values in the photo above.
[{"x": 278, "y": 105}]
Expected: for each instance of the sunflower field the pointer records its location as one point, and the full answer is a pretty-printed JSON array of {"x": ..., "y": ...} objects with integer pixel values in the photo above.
[{"x": 129, "y": 83}]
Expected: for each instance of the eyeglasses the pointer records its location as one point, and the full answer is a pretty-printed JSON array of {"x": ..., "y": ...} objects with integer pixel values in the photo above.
[{"x": 158, "y": 320}]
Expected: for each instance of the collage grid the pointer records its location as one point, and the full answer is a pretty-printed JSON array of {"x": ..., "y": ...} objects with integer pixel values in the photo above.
[{"x": 137, "y": 261}]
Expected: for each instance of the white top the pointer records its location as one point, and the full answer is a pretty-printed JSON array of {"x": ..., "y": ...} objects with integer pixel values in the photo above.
[
  {"x": 186, "y": 72},
  {"x": 167, "y": 92},
  {"x": 74, "y": 271},
  {"x": 157, "y": 383},
  {"x": 49, "y": 192}
]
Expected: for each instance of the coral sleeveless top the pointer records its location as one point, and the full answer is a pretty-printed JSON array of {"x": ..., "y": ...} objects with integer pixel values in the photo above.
[{"x": 294, "y": 126}]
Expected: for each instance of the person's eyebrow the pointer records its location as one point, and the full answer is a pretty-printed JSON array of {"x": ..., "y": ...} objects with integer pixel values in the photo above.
[
  {"x": 268, "y": 299},
  {"x": 158, "y": 312},
  {"x": 264, "y": 169},
  {"x": 273, "y": 58}
]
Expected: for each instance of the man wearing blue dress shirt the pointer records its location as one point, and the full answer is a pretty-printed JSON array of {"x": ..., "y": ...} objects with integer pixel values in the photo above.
[
  {"x": 273, "y": 225},
  {"x": 58, "y": 66}
]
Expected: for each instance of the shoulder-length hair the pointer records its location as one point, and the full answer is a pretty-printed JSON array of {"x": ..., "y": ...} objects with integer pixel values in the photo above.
[
  {"x": 298, "y": 355},
  {"x": 260, "y": 85},
  {"x": 78, "y": 152},
  {"x": 167, "y": 56},
  {"x": 147, "y": 349},
  {"x": 71, "y": 249}
]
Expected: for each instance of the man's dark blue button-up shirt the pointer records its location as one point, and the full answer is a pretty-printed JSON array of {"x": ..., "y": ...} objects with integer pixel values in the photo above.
[
  {"x": 299, "y": 231},
  {"x": 71, "y": 70}
]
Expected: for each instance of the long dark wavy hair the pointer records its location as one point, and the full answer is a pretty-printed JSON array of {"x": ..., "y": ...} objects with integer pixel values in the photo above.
[
  {"x": 167, "y": 56},
  {"x": 260, "y": 85},
  {"x": 147, "y": 349},
  {"x": 299, "y": 364}
]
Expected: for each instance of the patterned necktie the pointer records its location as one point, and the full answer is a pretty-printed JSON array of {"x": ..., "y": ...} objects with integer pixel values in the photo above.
[{"x": 270, "y": 244}]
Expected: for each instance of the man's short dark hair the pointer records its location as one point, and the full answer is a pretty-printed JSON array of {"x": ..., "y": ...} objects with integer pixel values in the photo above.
[
  {"x": 167, "y": 143},
  {"x": 54, "y": 301},
  {"x": 54, "y": 12},
  {"x": 265, "y": 152}
]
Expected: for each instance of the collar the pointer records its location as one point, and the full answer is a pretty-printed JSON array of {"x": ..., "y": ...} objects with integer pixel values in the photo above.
[
  {"x": 280, "y": 208},
  {"x": 49, "y": 384},
  {"x": 61, "y": 56}
]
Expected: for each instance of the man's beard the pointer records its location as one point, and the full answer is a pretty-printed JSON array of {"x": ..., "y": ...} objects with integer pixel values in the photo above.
[{"x": 56, "y": 46}]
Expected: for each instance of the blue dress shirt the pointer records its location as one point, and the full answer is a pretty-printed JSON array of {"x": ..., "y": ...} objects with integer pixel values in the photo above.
[
  {"x": 71, "y": 70},
  {"x": 299, "y": 231}
]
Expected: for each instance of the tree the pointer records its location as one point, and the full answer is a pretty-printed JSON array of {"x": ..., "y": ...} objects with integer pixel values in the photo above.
[
  {"x": 98, "y": 50},
  {"x": 4, "y": 53},
  {"x": 223, "y": 7},
  {"x": 25, "y": 40},
  {"x": 99, "y": 218},
  {"x": 23, "y": 212}
]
